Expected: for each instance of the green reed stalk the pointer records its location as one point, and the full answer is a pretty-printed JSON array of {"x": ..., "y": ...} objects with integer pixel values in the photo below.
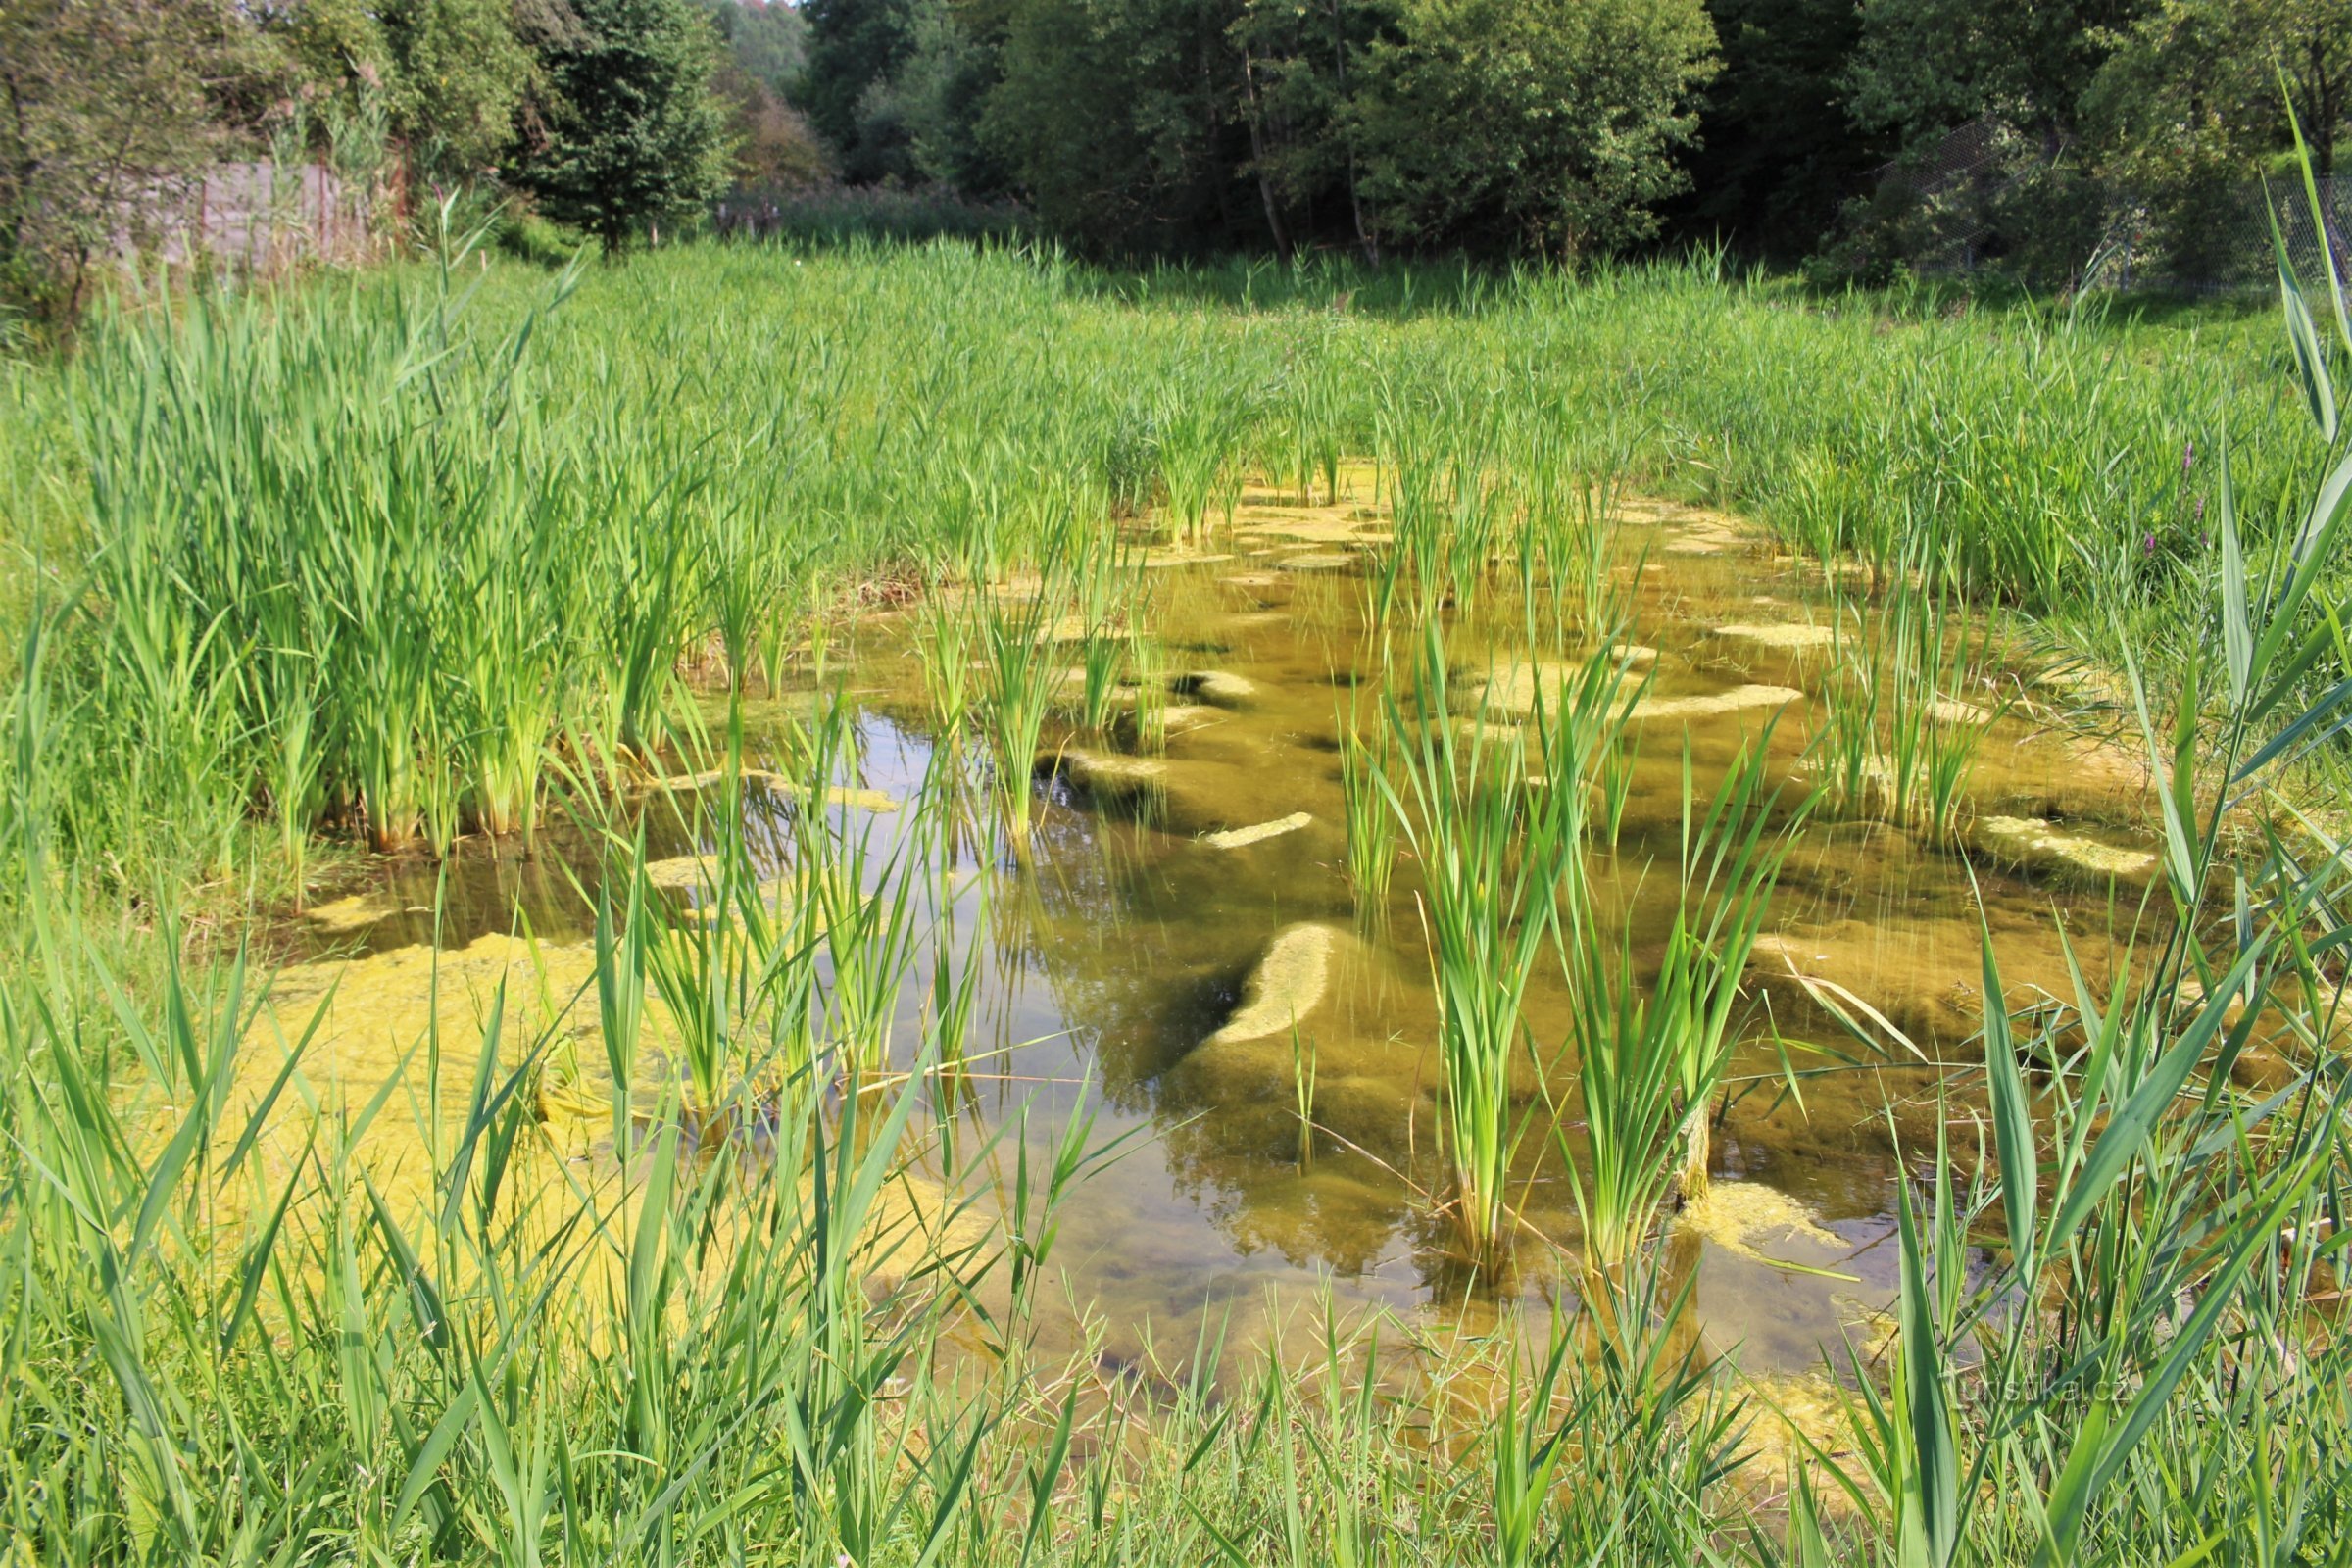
[
  {"x": 1728, "y": 869},
  {"x": 1472, "y": 519},
  {"x": 1628, "y": 1045},
  {"x": 1302, "y": 1093},
  {"x": 947, "y": 640},
  {"x": 1150, "y": 667},
  {"x": 1899, "y": 740},
  {"x": 1371, "y": 824},
  {"x": 1102, "y": 660},
  {"x": 1490, "y": 853},
  {"x": 1021, "y": 691},
  {"x": 864, "y": 893}
]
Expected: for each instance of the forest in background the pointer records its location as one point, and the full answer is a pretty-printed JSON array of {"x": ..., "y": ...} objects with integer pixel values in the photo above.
[{"x": 2029, "y": 137}]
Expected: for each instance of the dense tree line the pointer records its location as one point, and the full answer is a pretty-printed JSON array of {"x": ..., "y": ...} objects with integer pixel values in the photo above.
[
  {"x": 1865, "y": 134},
  {"x": 1859, "y": 135}
]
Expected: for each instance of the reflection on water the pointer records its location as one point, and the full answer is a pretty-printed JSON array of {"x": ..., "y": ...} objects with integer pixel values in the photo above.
[{"x": 1112, "y": 959}]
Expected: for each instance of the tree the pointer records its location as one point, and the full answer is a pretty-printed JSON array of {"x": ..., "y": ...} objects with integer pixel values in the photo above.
[
  {"x": 852, "y": 44},
  {"x": 2194, "y": 100},
  {"x": 1985, "y": 99},
  {"x": 1300, "y": 64},
  {"x": 1542, "y": 125},
  {"x": 1924, "y": 68},
  {"x": 1119, "y": 121},
  {"x": 766, "y": 38},
  {"x": 775, "y": 148},
  {"x": 2201, "y": 78},
  {"x": 895, "y": 87},
  {"x": 765, "y": 50},
  {"x": 459, "y": 74},
  {"x": 108, "y": 107},
  {"x": 634, "y": 136},
  {"x": 1777, "y": 155}
]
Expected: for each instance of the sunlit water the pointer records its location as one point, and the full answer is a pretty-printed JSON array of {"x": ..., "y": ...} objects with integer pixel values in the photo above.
[{"x": 1117, "y": 952}]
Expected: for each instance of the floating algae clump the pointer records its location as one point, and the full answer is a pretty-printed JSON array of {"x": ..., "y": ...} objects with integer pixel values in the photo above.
[
  {"x": 1743, "y": 1216},
  {"x": 863, "y": 800},
  {"x": 2036, "y": 841},
  {"x": 1516, "y": 689},
  {"x": 1284, "y": 986},
  {"x": 1781, "y": 634},
  {"x": 1713, "y": 702},
  {"x": 1958, "y": 710},
  {"x": 1113, "y": 772},
  {"x": 356, "y": 912},
  {"x": 1257, "y": 833},
  {"x": 1219, "y": 688}
]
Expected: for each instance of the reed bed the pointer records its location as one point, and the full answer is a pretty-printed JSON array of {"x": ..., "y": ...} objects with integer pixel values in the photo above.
[{"x": 675, "y": 1273}]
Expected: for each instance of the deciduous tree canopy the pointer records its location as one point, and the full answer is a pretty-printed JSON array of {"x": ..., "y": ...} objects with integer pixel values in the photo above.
[{"x": 2036, "y": 137}]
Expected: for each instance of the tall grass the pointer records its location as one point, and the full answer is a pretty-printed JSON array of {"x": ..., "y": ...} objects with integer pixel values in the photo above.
[
  {"x": 1489, "y": 851},
  {"x": 1730, "y": 865},
  {"x": 378, "y": 562},
  {"x": 313, "y": 475},
  {"x": 1496, "y": 851},
  {"x": 2169, "y": 1237},
  {"x": 1371, "y": 824},
  {"x": 1906, "y": 710},
  {"x": 1021, "y": 683}
]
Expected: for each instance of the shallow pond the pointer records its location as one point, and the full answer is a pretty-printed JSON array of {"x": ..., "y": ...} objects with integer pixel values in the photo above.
[{"x": 1177, "y": 911}]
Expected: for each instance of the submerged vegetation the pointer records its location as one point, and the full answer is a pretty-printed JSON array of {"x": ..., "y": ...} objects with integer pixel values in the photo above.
[{"x": 727, "y": 1223}]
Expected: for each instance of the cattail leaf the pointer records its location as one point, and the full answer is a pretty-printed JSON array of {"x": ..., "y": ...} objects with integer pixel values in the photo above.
[
  {"x": 2303, "y": 336},
  {"x": 259, "y": 1117},
  {"x": 256, "y": 1263},
  {"x": 2320, "y": 223},
  {"x": 2238, "y": 639},
  {"x": 2181, "y": 843},
  {"x": 2070, "y": 1494},
  {"x": 1930, "y": 1479},
  {"x": 2126, "y": 1132},
  {"x": 425, "y": 1464},
  {"x": 2012, "y": 1119},
  {"x": 2297, "y": 736},
  {"x": 2315, "y": 545},
  {"x": 2256, "y": 1238}
]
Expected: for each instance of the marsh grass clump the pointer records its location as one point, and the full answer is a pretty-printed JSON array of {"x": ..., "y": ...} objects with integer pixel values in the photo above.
[
  {"x": 1629, "y": 1046},
  {"x": 1112, "y": 603},
  {"x": 1729, "y": 862},
  {"x": 1498, "y": 853},
  {"x": 1022, "y": 678},
  {"x": 1489, "y": 851},
  {"x": 948, "y": 641},
  {"x": 1904, "y": 727}
]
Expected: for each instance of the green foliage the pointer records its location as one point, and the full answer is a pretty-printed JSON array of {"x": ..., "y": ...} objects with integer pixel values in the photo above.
[
  {"x": 1544, "y": 125},
  {"x": 896, "y": 86},
  {"x": 109, "y": 110},
  {"x": 1926, "y": 65},
  {"x": 766, "y": 38},
  {"x": 350, "y": 540},
  {"x": 1110, "y": 125},
  {"x": 459, "y": 74},
  {"x": 1777, "y": 154},
  {"x": 634, "y": 139},
  {"x": 2193, "y": 99}
]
